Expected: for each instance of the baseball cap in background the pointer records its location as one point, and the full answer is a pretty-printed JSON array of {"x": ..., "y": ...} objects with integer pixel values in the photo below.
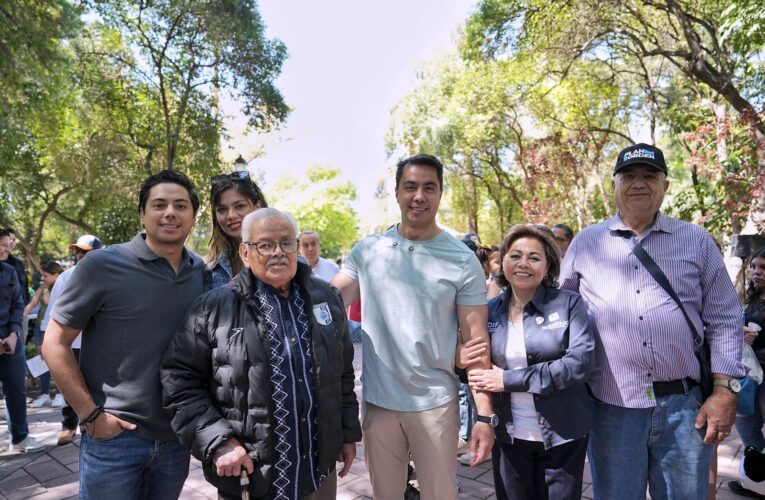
[
  {"x": 86, "y": 242},
  {"x": 641, "y": 154}
]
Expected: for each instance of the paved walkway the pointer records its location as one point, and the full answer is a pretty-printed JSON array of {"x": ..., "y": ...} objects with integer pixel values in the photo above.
[{"x": 53, "y": 474}]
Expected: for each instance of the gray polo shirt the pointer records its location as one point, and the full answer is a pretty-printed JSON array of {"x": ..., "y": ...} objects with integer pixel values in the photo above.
[{"x": 128, "y": 302}]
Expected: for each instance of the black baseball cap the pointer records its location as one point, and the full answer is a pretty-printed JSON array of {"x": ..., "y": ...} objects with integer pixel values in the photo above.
[{"x": 641, "y": 154}]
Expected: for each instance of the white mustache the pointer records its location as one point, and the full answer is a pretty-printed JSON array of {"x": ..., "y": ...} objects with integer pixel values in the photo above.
[{"x": 277, "y": 261}]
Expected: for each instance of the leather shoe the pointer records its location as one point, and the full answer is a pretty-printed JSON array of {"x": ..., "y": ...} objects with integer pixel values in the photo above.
[
  {"x": 735, "y": 487},
  {"x": 66, "y": 436}
]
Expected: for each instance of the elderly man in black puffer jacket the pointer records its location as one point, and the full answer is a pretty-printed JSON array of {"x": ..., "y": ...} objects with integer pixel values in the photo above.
[{"x": 260, "y": 376}]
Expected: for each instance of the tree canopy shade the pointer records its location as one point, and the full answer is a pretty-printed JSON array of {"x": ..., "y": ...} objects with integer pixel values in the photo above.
[
  {"x": 187, "y": 51},
  {"x": 717, "y": 45},
  {"x": 91, "y": 105}
]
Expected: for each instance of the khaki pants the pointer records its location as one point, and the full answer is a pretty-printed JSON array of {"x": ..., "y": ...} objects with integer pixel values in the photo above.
[{"x": 431, "y": 438}]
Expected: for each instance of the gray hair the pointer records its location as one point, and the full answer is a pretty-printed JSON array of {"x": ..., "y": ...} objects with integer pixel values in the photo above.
[
  {"x": 309, "y": 232},
  {"x": 265, "y": 213}
]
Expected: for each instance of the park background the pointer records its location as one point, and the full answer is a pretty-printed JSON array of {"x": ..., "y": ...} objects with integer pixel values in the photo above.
[{"x": 527, "y": 102}]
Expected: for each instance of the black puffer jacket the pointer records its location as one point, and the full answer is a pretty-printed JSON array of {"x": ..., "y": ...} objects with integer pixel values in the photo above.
[{"x": 216, "y": 379}]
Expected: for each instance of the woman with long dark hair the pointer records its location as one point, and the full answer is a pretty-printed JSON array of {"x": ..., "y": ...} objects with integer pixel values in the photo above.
[
  {"x": 232, "y": 196},
  {"x": 750, "y": 427}
]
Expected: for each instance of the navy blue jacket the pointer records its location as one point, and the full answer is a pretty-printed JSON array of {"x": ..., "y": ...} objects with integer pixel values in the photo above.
[
  {"x": 560, "y": 349},
  {"x": 11, "y": 302}
]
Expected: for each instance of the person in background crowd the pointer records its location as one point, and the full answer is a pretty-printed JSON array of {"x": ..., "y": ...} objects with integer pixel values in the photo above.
[
  {"x": 18, "y": 265},
  {"x": 542, "y": 350},
  {"x": 12, "y": 359},
  {"x": 248, "y": 388},
  {"x": 129, "y": 300},
  {"x": 310, "y": 248},
  {"x": 50, "y": 273},
  {"x": 563, "y": 236},
  {"x": 750, "y": 427},
  {"x": 652, "y": 425},
  {"x": 82, "y": 247},
  {"x": 232, "y": 197},
  {"x": 419, "y": 285}
]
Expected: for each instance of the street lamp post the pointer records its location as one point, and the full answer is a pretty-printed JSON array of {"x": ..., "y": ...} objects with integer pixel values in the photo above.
[{"x": 240, "y": 164}]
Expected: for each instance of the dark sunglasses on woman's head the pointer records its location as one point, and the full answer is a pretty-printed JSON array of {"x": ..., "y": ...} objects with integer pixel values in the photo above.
[{"x": 239, "y": 175}]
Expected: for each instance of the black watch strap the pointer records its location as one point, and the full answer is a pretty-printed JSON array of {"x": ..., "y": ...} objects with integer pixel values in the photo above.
[{"x": 492, "y": 419}]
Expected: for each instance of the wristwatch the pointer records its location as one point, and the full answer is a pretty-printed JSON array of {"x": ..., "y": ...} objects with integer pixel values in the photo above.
[
  {"x": 492, "y": 419},
  {"x": 732, "y": 384}
]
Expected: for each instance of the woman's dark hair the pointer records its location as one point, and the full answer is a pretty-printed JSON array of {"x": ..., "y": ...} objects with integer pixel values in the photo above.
[
  {"x": 220, "y": 242},
  {"x": 52, "y": 267},
  {"x": 752, "y": 293},
  {"x": 545, "y": 237}
]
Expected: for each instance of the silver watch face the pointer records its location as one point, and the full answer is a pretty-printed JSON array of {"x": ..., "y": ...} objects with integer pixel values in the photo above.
[
  {"x": 734, "y": 385},
  {"x": 494, "y": 420}
]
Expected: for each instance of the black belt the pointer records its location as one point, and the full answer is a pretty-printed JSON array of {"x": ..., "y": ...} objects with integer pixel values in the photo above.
[{"x": 679, "y": 386}]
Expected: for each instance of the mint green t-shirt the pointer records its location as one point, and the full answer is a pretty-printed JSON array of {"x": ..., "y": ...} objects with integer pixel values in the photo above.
[{"x": 409, "y": 296}]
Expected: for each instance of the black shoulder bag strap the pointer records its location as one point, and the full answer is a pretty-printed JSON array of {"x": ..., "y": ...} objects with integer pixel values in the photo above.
[{"x": 700, "y": 348}]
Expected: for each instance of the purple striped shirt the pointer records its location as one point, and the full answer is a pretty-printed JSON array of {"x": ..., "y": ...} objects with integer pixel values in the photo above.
[{"x": 641, "y": 334}]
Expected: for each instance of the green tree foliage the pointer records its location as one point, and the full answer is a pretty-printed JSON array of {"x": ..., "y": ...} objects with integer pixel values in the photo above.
[
  {"x": 90, "y": 108},
  {"x": 321, "y": 203},
  {"x": 517, "y": 146},
  {"x": 187, "y": 51},
  {"x": 712, "y": 48}
]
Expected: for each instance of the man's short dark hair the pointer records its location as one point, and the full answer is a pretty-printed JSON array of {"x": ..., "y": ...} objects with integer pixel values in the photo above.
[
  {"x": 421, "y": 159},
  {"x": 10, "y": 231},
  {"x": 6, "y": 232},
  {"x": 171, "y": 177},
  {"x": 567, "y": 231}
]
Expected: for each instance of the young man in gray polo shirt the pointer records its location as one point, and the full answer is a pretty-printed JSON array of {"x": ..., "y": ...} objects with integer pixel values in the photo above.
[
  {"x": 418, "y": 284},
  {"x": 128, "y": 300}
]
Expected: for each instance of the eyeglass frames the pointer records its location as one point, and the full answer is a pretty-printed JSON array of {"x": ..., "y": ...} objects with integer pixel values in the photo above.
[{"x": 267, "y": 248}]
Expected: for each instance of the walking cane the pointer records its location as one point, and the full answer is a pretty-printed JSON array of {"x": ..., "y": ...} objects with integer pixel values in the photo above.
[{"x": 244, "y": 482}]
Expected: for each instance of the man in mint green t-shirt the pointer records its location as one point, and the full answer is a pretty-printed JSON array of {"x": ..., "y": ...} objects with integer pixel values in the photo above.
[{"x": 418, "y": 285}]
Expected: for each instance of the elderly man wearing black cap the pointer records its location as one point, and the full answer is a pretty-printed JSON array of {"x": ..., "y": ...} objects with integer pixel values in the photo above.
[{"x": 655, "y": 287}]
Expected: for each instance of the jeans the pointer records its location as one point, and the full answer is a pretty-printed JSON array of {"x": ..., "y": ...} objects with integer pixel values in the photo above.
[
  {"x": 750, "y": 428},
  {"x": 467, "y": 411},
  {"x": 13, "y": 369},
  {"x": 127, "y": 466},
  {"x": 45, "y": 377},
  {"x": 632, "y": 447}
]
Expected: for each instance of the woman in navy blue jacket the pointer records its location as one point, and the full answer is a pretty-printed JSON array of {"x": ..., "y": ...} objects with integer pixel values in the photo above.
[{"x": 542, "y": 354}]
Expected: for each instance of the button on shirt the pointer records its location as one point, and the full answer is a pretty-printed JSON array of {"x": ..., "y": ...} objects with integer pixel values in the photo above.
[
  {"x": 294, "y": 403},
  {"x": 641, "y": 334}
]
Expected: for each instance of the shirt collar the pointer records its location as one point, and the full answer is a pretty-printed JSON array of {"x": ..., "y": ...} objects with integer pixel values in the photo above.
[
  {"x": 661, "y": 223},
  {"x": 538, "y": 300},
  {"x": 142, "y": 251}
]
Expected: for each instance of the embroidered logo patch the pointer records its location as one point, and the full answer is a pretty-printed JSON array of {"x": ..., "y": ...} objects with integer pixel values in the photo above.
[
  {"x": 539, "y": 320},
  {"x": 321, "y": 314},
  {"x": 554, "y": 316}
]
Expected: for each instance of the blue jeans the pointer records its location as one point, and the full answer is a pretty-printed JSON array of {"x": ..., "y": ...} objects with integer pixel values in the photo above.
[
  {"x": 632, "y": 447},
  {"x": 750, "y": 428},
  {"x": 467, "y": 413},
  {"x": 127, "y": 466},
  {"x": 13, "y": 369}
]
